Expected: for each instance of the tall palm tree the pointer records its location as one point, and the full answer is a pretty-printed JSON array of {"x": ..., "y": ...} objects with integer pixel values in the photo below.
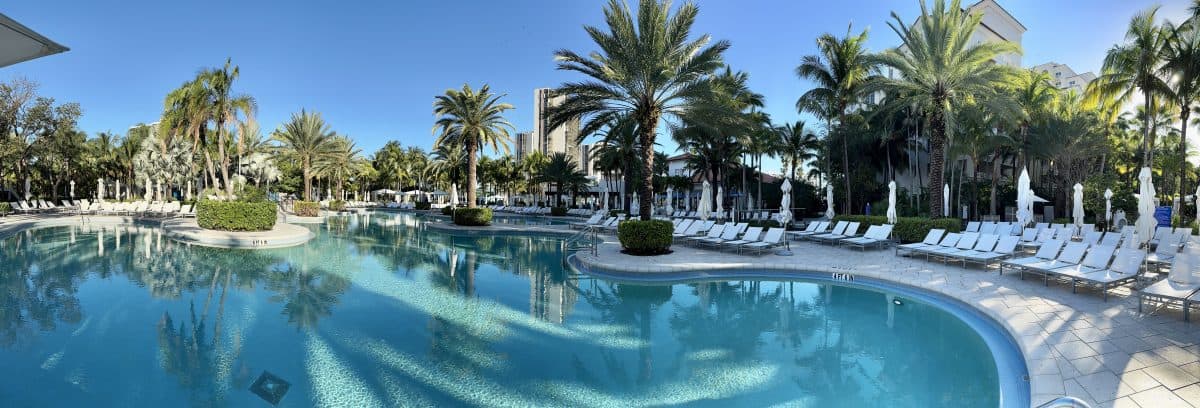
[
  {"x": 1182, "y": 66},
  {"x": 646, "y": 69},
  {"x": 798, "y": 145},
  {"x": 1135, "y": 67},
  {"x": 226, "y": 108},
  {"x": 939, "y": 68},
  {"x": 342, "y": 161},
  {"x": 473, "y": 120},
  {"x": 562, "y": 171},
  {"x": 186, "y": 112},
  {"x": 838, "y": 73},
  {"x": 306, "y": 138},
  {"x": 1035, "y": 95}
]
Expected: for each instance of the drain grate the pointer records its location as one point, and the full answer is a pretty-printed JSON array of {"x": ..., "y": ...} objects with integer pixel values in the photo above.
[{"x": 270, "y": 387}]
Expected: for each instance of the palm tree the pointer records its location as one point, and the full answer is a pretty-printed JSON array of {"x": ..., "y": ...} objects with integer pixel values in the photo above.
[
  {"x": 390, "y": 161},
  {"x": 471, "y": 119},
  {"x": 1035, "y": 95},
  {"x": 797, "y": 146},
  {"x": 306, "y": 138},
  {"x": 226, "y": 108},
  {"x": 647, "y": 68},
  {"x": 1135, "y": 67},
  {"x": 1183, "y": 67},
  {"x": 187, "y": 111},
  {"x": 562, "y": 171},
  {"x": 838, "y": 73},
  {"x": 939, "y": 68},
  {"x": 341, "y": 162}
]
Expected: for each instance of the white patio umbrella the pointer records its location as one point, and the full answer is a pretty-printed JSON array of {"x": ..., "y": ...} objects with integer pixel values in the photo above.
[
  {"x": 1108, "y": 206},
  {"x": 100, "y": 189},
  {"x": 117, "y": 191},
  {"x": 785, "y": 204},
  {"x": 158, "y": 191},
  {"x": 28, "y": 194},
  {"x": 1196, "y": 199},
  {"x": 72, "y": 190},
  {"x": 188, "y": 196},
  {"x": 604, "y": 194},
  {"x": 829, "y": 201},
  {"x": 1077, "y": 209},
  {"x": 720, "y": 201},
  {"x": 1145, "y": 224},
  {"x": 891, "y": 211},
  {"x": 635, "y": 205},
  {"x": 687, "y": 200},
  {"x": 149, "y": 190},
  {"x": 453, "y": 194},
  {"x": 704, "y": 208},
  {"x": 1024, "y": 200},
  {"x": 670, "y": 197},
  {"x": 946, "y": 200}
]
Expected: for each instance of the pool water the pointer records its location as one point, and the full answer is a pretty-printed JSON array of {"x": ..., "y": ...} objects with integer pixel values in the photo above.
[{"x": 379, "y": 311}]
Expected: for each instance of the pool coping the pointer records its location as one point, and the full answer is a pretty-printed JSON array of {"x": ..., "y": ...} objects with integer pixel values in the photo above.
[
  {"x": 1010, "y": 358},
  {"x": 282, "y": 235}
]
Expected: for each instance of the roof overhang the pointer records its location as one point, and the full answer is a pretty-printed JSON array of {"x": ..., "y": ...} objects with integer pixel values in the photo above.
[{"x": 18, "y": 43}]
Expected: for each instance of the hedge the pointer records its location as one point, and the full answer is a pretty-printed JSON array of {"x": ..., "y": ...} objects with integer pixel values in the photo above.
[
  {"x": 5, "y": 208},
  {"x": 558, "y": 211},
  {"x": 235, "y": 215},
  {"x": 424, "y": 205},
  {"x": 306, "y": 208},
  {"x": 448, "y": 210},
  {"x": 473, "y": 216},
  {"x": 907, "y": 229},
  {"x": 651, "y": 237},
  {"x": 337, "y": 205}
]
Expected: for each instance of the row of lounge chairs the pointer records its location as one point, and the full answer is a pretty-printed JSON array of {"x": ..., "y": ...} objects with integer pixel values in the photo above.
[
  {"x": 738, "y": 237},
  {"x": 137, "y": 208},
  {"x": 692, "y": 214},
  {"x": 845, "y": 233}
]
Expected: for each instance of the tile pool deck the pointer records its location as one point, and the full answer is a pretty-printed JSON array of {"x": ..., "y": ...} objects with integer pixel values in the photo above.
[{"x": 1074, "y": 344}]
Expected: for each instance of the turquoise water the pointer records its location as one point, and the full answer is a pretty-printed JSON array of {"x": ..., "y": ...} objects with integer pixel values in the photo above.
[{"x": 378, "y": 311}]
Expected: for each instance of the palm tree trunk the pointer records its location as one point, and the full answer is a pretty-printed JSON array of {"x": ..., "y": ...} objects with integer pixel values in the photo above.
[
  {"x": 646, "y": 135},
  {"x": 307, "y": 181},
  {"x": 937, "y": 159},
  {"x": 846, "y": 170},
  {"x": 1185, "y": 111},
  {"x": 224, "y": 158},
  {"x": 1148, "y": 140},
  {"x": 472, "y": 161},
  {"x": 995, "y": 179}
]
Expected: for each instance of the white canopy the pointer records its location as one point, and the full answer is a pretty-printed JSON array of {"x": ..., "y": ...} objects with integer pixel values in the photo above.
[
  {"x": 19, "y": 44},
  {"x": 704, "y": 209},
  {"x": 1145, "y": 224},
  {"x": 785, "y": 204},
  {"x": 1077, "y": 209},
  {"x": 891, "y": 211},
  {"x": 829, "y": 201}
]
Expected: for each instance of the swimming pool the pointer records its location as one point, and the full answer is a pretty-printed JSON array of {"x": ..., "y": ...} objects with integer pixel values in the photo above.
[{"x": 379, "y": 311}]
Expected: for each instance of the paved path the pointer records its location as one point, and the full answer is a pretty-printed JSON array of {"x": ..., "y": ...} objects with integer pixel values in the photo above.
[{"x": 1074, "y": 344}]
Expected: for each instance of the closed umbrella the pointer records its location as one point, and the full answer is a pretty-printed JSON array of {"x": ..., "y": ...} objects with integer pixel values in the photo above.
[
  {"x": 453, "y": 194},
  {"x": 1024, "y": 200},
  {"x": 100, "y": 189},
  {"x": 1196, "y": 199},
  {"x": 670, "y": 203},
  {"x": 117, "y": 192},
  {"x": 946, "y": 200},
  {"x": 635, "y": 206},
  {"x": 1144, "y": 227},
  {"x": 72, "y": 192},
  {"x": 149, "y": 188},
  {"x": 28, "y": 194},
  {"x": 704, "y": 209},
  {"x": 1077, "y": 209},
  {"x": 829, "y": 201},
  {"x": 687, "y": 201},
  {"x": 720, "y": 201},
  {"x": 158, "y": 191},
  {"x": 1108, "y": 206},
  {"x": 891, "y": 212},
  {"x": 604, "y": 194},
  {"x": 785, "y": 204}
]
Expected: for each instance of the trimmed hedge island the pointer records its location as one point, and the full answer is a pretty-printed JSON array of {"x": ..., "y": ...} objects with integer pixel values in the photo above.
[
  {"x": 337, "y": 205},
  {"x": 651, "y": 237},
  {"x": 235, "y": 215},
  {"x": 908, "y": 229},
  {"x": 306, "y": 208},
  {"x": 473, "y": 217}
]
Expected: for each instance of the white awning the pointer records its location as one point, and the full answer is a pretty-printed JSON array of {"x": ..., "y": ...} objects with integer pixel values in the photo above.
[{"x": 19, "y": 44}]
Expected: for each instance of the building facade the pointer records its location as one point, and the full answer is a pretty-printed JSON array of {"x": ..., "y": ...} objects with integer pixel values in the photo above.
[
  {"x": 1065, "y": 78},
  {"x": 564, "y": 139}
]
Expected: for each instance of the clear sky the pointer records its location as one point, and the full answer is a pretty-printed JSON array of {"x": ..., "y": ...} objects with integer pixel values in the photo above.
[{"x": 373, "y": 68}]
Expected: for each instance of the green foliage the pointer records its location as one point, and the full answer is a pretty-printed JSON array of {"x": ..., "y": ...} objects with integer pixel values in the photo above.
[
  {"x": 558, "y": 211},
  {"x": 235, "y": 215},
  {"x": 423, "y": 205},
  {"x": 473, "y": 216},
  {"x": 447, "y": 210},
  {"x": 651, "y": 237},
  {"x": 337, "y": 205},
  {"x": 5, "y": 208},
  {"x": 252, "y": 194},
  {"x": 907, "y": 229},
  {"x": 763, "y": 224},
  {"x": 306, "y": 208}
]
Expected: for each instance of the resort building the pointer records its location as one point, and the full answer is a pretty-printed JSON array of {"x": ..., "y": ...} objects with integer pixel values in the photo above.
[
  {"x": 561, "y": 140},
  {"x": 523, "y": 145},
  {"x": 1065, "y": 78}
]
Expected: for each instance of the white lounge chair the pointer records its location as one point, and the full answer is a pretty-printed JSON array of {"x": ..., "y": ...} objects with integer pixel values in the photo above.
[
  {"x": 1167, "y": 292},
  {"x": 1046, "y": 252},
  {"x": 1005, "y": 248},
  {"x": 1126, "y": 267},
  {"x": 773, "y": 238},
  {"x": 812, "y": 229},
  {"x": 931, "y": 238},
  {"x": 876, "y": 235},
  {"x": 1071, "y": 254},
  {"x": 850, "y": 231},
  {"x": 966, "y": 241}
]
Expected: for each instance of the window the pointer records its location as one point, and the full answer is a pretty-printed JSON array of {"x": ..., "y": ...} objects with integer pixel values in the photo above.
[{"x": 1058, "y": 74}]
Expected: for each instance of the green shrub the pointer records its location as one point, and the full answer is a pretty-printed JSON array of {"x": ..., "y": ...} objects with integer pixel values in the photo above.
[
  {"x": 651, "y": 237},
  {"x": 558, "y": 211},
  {"x": 306, "y": 208},
  {"x": 235, "y": 215},
  {"x": 424, "y": 205},
  {"x": 251, "y": 194},
  {"x": 473, "y": 216},
  {"x": 337, "y": 205},
  {"x": 5, "y": 208},
  {"x": 1062, "y": 221},
  {"x": 448, "y": 210},
  {"x": 907, "y": 229},
  {"x": 763, "y": 223}
]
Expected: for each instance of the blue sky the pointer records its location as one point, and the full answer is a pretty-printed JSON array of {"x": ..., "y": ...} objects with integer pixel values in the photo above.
[{"x": 372, "y": 68}]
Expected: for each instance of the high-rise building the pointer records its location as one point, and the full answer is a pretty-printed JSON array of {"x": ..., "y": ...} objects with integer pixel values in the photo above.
[
  {"x": 564, "y": 139},
  {"x": 524, "y": 144},
  {"x": 1065, "y": 78}
]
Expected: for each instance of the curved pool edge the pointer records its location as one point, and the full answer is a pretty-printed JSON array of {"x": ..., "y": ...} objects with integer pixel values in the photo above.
[
  {"x": 9, "y": 230},
  {"x": 1011, "y": 360}
]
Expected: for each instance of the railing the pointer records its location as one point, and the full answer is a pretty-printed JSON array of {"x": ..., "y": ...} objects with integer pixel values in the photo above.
[
  {"x": 1065, "y": 402},
  {"x": 587, "y": 239}
]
